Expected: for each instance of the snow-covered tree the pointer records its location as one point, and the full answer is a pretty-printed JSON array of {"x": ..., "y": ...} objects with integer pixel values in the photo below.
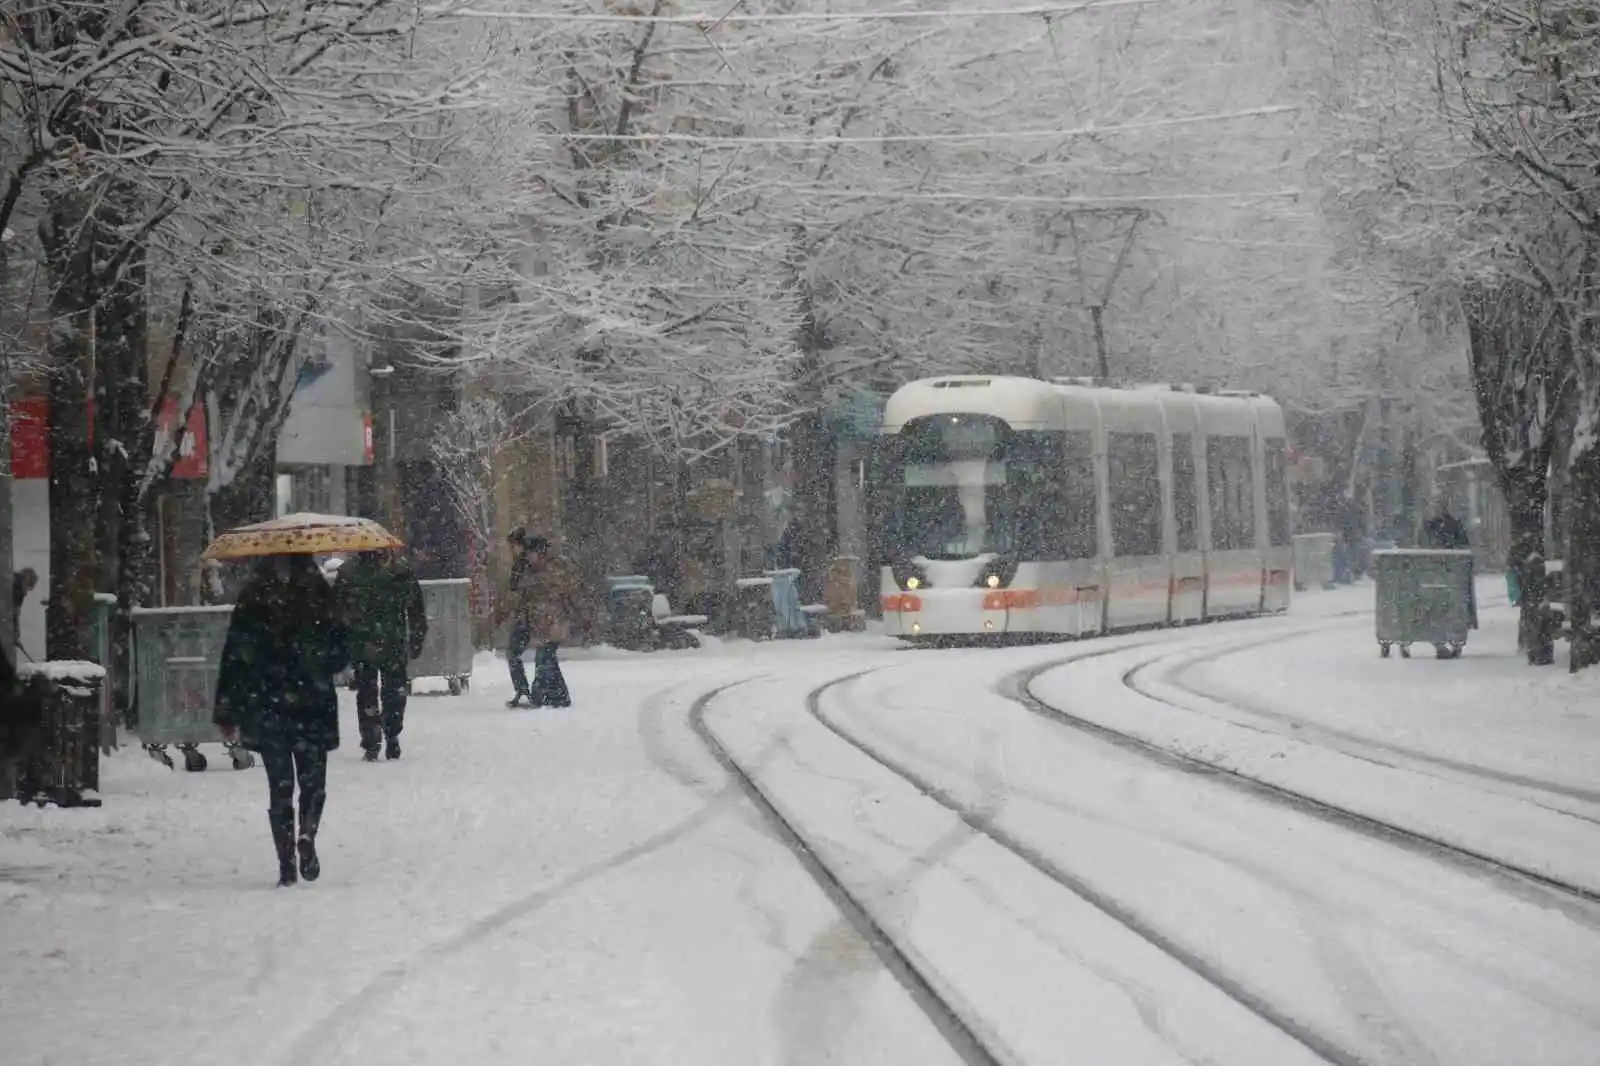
[{"x": 213, "y": 174}]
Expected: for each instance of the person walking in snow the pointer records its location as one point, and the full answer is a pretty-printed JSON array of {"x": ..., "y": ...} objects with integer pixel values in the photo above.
[
  {"x": 549, "y": 604},
  {"x": 276, "y": 696},
  {"x": 517, "y": 642},
  {"x": 381, "y": 602},
  {"x": 23, "y": 582}
]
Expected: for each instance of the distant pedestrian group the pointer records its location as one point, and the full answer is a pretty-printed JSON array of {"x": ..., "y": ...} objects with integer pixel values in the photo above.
[{"x": 295, "y": 628}]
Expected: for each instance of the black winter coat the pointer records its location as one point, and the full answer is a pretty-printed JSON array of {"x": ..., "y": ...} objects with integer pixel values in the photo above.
[
  {"x": 1445, "y": 532},
  {"x": 285, "y": 644},
  {"x": 383, "y": 611}
]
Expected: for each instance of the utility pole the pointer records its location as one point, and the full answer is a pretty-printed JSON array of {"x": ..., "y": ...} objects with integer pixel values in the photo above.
[{"x": 1097, "y": 310}]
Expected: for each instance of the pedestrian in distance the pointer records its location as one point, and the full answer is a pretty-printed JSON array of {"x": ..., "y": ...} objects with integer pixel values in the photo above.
[
  {"x": 550, "y": 604},
  {"x": 1444, "y": 530},
  {"x": 381, "y": 602},
  {"x": 23, "y": 582},
  {"x": 517, "y": 642},
  {"x": 276, "y": 696}
]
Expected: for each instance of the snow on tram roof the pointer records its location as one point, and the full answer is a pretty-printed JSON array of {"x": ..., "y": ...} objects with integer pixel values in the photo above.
[{"x": 1030, "y": 403}]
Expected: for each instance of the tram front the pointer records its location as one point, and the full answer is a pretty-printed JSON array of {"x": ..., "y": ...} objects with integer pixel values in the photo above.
[{"x": 961, "y": 499}]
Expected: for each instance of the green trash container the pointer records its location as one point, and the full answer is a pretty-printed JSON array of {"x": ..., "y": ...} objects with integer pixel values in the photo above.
[
  {"x": 105, "y": 605},
  {"x": 1424, "y": 597}
]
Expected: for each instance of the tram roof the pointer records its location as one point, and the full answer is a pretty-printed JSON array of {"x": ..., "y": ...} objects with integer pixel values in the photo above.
[{"x": 1029, "y": 403}]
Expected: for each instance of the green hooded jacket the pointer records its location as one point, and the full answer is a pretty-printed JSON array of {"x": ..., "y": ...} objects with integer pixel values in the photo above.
[{"x": 383, "y": 611}]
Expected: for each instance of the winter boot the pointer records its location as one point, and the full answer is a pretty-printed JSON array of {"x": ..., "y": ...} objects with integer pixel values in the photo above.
[
  {"x": 392, "y": 748},
  {"x": 282, "y": 820},
  {"x": 310, "y": 819},
  {"x": 369, "y": 755}
]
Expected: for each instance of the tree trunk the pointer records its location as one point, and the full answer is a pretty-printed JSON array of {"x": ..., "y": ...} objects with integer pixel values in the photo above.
[
  {"x": 1525, "y": 495},
  {"x": 248, "y": 498},
  {"x": 813, "y": 452},
  {"x": 123, "y": 445},
  {"x": 584, "y": 546},
  {"x": 814, "y": 500},
  {"x": 74, "y": 489},
  {"x": 1583, "y": 557}
]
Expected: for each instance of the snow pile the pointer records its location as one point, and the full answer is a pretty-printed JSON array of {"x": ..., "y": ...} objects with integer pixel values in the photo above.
[
  {"x": 64, "y": 670},
  {"x": 306, "y": 520}
]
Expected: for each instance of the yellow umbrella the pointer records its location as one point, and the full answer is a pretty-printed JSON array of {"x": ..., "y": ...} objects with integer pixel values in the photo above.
[{"x": 302, "y": 534}]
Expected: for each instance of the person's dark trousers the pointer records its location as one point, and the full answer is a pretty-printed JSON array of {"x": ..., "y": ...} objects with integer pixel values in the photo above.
[
  {"x": 380, "y": 704},
  {"x": 306, "y": 767},
  {"x": 549, "y": 685},
  {"x": 514, "y": 649}
]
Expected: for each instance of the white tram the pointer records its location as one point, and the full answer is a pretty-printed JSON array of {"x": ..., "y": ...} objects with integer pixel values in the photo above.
[{"x": 1012, "y": 507}]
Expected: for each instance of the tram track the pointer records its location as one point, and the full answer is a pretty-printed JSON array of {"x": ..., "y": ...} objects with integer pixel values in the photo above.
[
  {"x": 982, "y": 822},
  {"x": 961, "y": 1035},
  {"x": 921, "y": 987},
  {"x": 981, "y": 817},
  {"x": 1019, "y": 688},
  {"x": 1148, "y": 678}
]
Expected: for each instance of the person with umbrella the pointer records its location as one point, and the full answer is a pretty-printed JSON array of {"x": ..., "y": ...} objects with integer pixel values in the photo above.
[
  {"x": 382, "y": 604},
  {"x": 275, "y": 686}
]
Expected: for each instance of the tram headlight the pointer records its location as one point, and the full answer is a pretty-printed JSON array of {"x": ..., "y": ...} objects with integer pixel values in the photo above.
[
  {"x": 997, "y": 572},
  {"x": 910, "y": 576}
]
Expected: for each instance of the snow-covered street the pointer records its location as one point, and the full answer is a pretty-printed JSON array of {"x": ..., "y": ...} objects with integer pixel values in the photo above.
[{"x": 593, "y": 886}]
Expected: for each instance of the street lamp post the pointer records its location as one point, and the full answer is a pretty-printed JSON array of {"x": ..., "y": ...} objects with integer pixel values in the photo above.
[{"x": 385, "y": 374}]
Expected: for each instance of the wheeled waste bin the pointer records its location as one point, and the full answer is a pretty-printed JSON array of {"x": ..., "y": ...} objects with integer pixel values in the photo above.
[{"x": 1424, "y": 597}]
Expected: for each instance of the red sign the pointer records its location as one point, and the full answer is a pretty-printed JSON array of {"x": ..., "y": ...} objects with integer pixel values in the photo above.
[
  {"x": 30, "y": 438},
  {"x": 191, "y": 463},
  {"x": 367, "y": 450}
]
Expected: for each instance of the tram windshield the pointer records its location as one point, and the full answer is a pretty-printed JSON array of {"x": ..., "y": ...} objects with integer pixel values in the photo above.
[
  {"x": 953, "y": 510},
  {"x": 958, "y": 486}
]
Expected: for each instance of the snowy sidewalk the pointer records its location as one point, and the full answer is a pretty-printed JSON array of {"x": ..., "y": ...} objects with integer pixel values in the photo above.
[{"x": 524, "y": 886}]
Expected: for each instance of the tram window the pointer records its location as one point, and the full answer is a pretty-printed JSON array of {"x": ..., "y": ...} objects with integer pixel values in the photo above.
[
  {"x": 1232, "y": 492},
  {"x": 1277, "y": 493},
  {"x": 1080, "y": 511},
  {"x": 1134, "y": 465},
  {"x": 1185, "y": 497},
  {"x": 1035, "y": 497}
]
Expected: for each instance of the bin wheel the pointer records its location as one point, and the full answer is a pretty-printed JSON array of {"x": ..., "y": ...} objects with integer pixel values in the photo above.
[
  {"x": 194, "y": 760},
  {"x": 242, "y": 759},
  {"x": 1383, "y": 649},
  {"x": 1405, "y": 651},
  {"x": 1449, "y": 651},
  {"x": 158, "y": 752},
  {"x": 454, "y": 684}
]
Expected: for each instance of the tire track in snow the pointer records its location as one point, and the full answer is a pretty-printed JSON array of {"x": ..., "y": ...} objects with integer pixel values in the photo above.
[{"x": 325, "y": 1039}]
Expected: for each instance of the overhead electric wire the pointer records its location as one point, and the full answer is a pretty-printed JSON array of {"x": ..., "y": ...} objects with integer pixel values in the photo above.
[
  {"x": 1044, "y": 11},
  {"x": 1063, "y": 201},
  {"x": 925, "y": 138}
]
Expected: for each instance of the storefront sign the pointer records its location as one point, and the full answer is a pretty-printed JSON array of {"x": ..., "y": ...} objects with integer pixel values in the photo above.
[{"x": 30, "y": 439}]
